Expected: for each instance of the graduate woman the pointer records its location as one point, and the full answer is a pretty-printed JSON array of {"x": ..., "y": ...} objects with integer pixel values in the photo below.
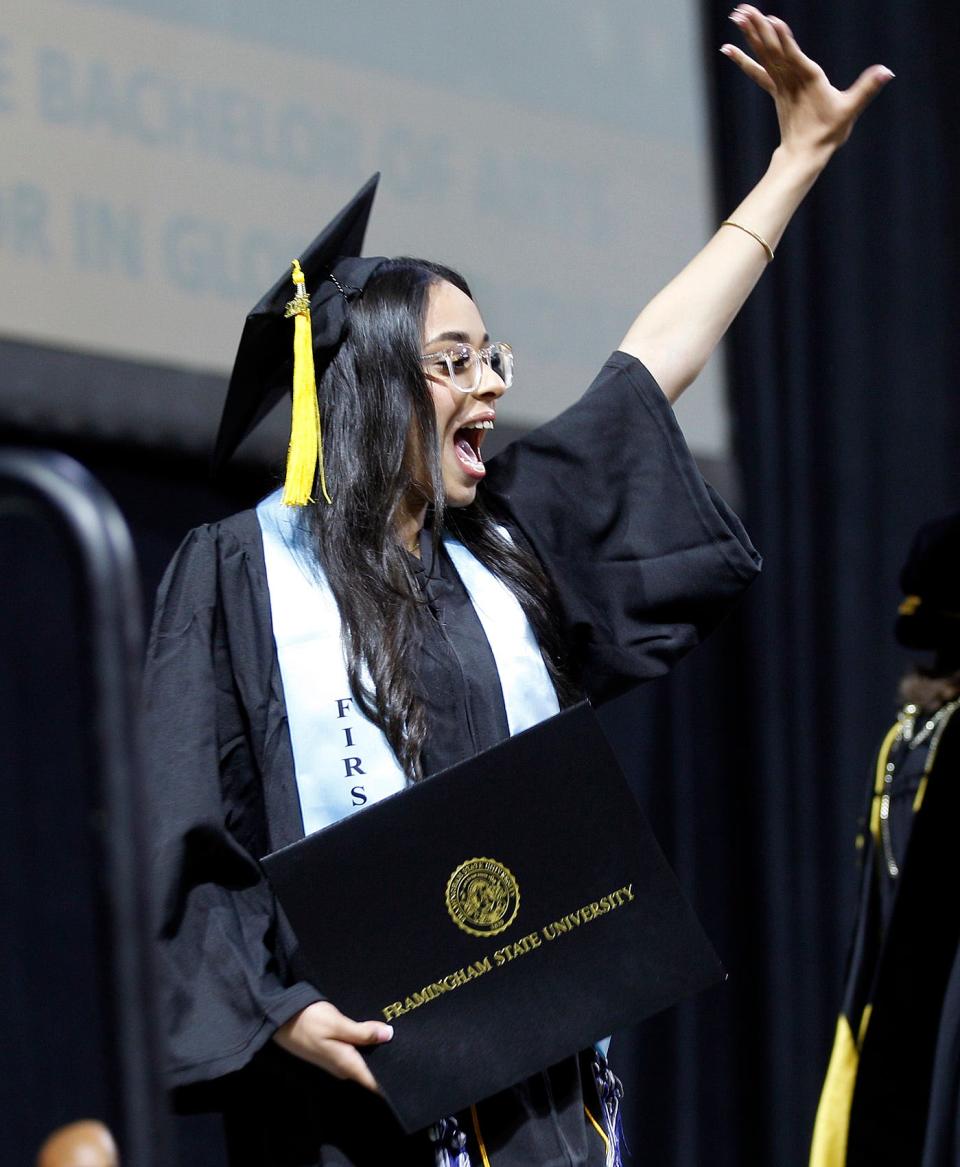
[{"x": 594, "y": 540}]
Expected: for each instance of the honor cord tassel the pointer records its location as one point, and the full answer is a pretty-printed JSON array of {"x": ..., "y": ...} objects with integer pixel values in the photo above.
[
  {"x": 610, "y": 1090},
  {"x": 450, "y": 1144}
]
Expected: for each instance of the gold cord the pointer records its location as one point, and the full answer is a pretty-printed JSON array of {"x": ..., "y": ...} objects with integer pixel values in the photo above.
[
  {"x": 880, "y": 806},
  {"x": 601, "y": 1132},
  {"x": 878, "y": 784},
  {"x": 484, "y": 1158}
]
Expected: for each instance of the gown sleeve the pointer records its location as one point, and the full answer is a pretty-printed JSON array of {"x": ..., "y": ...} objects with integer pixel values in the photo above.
[
  {"x": 224, "y": 973},
  {"x": 645, "y": 557}
]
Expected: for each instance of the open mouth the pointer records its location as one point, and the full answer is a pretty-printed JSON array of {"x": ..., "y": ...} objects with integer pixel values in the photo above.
[{"x": 467, "y": 442}]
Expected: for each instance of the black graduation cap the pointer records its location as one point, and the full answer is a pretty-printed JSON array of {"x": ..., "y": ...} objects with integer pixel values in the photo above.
[
  {"x": 929, "y": 616},
  {"x": 333, "y": 274}
]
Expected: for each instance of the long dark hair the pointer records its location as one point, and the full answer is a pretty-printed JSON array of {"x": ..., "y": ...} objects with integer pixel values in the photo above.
[{"x": 377, "y": 408}]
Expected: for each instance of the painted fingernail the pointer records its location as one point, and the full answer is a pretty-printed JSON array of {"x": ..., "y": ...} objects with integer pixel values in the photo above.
[{"x": 385, "y": 1033}]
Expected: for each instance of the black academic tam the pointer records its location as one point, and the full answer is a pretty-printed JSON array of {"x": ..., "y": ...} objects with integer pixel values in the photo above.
[{"x": 263, "y": 368}]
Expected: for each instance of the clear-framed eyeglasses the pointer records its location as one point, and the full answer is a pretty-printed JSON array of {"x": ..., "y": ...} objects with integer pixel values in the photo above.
[{"x": 462, "y": 364}]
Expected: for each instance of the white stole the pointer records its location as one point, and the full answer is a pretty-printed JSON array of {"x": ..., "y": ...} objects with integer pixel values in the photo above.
[{"x": 342, "y": 761}]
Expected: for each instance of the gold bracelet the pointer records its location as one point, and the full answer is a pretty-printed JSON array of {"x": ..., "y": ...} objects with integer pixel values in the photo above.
[{"x": 759, "y": 238}]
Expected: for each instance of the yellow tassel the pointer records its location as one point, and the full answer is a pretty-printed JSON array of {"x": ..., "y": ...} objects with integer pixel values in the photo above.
[{"x": 305, "y": 452}]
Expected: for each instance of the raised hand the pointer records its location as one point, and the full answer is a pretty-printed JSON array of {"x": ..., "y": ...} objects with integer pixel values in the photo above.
[
  {"x": 813, "y": 114},
  {"x": 677, "y": 331}
]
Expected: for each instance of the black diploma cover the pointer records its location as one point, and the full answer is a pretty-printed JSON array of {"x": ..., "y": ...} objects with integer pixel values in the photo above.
[{"x": 502, "y": 915}]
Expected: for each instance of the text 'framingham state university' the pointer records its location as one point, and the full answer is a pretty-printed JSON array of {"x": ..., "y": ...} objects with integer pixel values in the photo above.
[{"x": 533, "y": 940}]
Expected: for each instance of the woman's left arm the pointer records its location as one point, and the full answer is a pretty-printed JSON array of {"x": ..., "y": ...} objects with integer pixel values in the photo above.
[{"x": 677, "y": 331}]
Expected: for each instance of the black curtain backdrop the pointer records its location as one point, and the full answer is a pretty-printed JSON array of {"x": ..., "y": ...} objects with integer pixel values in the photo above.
[
  {"x": 752, "y": 758},
  {"x": 845, "y": 401}
]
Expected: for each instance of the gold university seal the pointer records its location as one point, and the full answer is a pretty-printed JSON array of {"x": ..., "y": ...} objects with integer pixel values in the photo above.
[{"x": 482, "y": 897}]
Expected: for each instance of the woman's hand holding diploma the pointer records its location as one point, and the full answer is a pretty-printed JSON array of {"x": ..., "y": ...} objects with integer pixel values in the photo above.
[{"x": 323, "y": 1036}]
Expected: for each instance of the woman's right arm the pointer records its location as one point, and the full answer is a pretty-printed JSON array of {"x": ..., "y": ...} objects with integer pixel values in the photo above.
[{"x": 677, "y": 331}]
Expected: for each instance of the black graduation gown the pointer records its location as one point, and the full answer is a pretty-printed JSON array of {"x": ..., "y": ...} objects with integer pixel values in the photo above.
[
  {"x": 899, "y": 1030},
  {"x": 645, "y": 558}
]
